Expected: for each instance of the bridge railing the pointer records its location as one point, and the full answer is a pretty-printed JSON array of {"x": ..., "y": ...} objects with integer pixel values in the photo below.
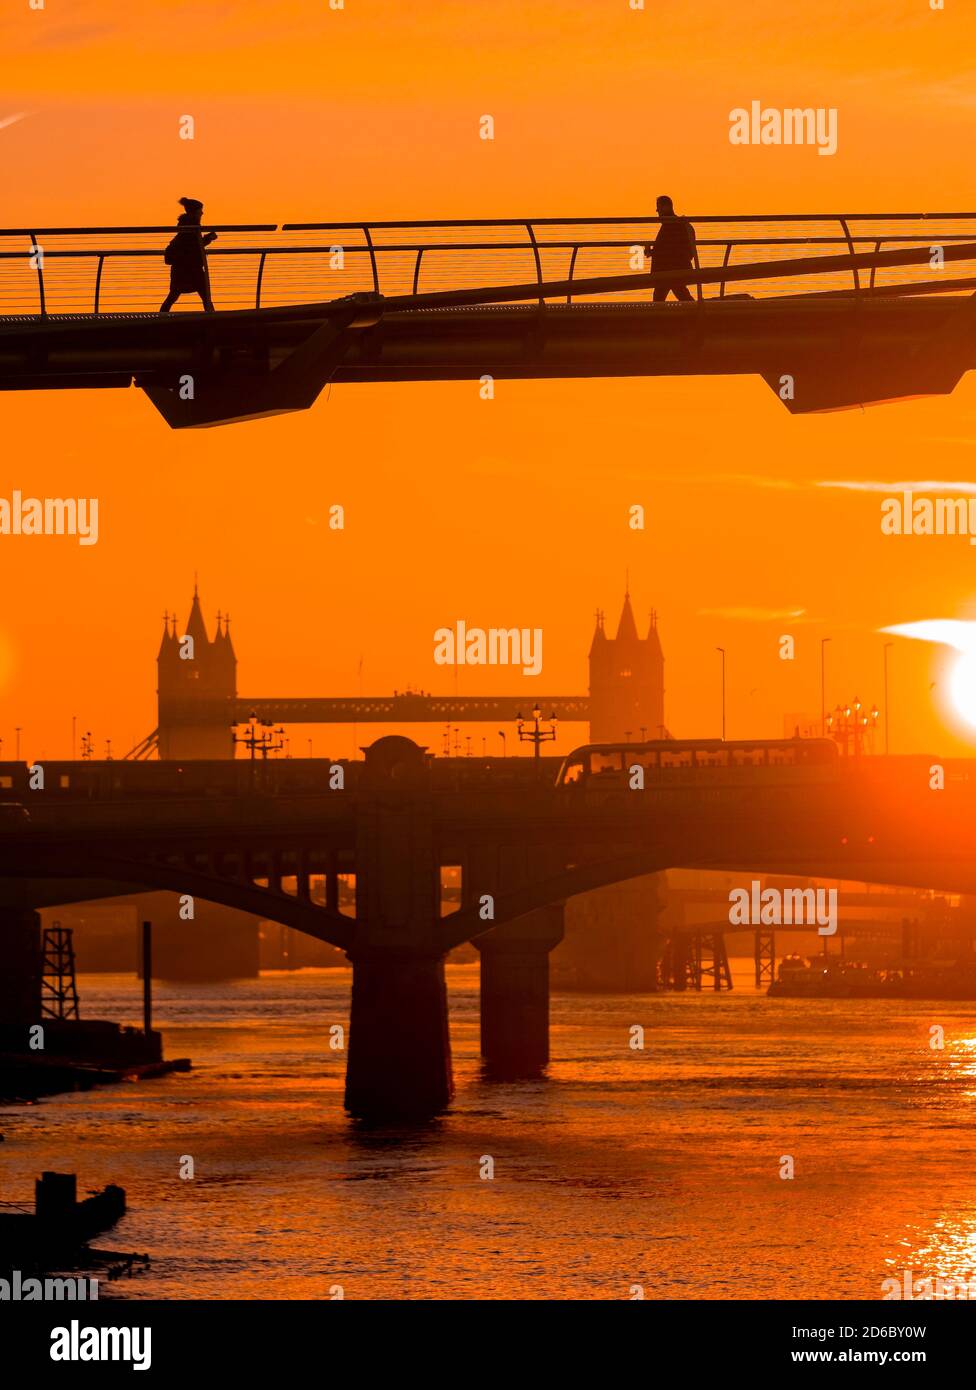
[{"x": 51, "y": 271}]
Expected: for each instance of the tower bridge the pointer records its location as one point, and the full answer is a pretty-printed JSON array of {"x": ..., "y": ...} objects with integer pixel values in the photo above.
[
  {"x": 830, "y": 310},
  {"x": 198, "y": 703}
]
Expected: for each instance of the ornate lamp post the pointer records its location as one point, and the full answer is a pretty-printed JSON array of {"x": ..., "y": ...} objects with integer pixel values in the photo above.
[
  {"x": 721, "y": 650},
  {"x": 887, "y": 721},
  {"x": 851, "y": 726},
  {"x": 260, "y": 741},
  {"x": 536, "y": 734},
  {"x": 823, "y": 686}
]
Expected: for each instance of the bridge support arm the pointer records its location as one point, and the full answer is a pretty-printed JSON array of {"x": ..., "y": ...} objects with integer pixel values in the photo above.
[{"x": 293, "y": 385}]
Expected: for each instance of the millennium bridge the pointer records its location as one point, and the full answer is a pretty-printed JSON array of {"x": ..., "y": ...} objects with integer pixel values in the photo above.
[{"x": 830, "y": 310}]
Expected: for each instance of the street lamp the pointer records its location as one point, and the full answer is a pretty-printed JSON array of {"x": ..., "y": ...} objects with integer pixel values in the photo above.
[
  {"x": 262, "y": 741},
  {"x": 722, "y": 651},
  {"x": 886, "y": 646},
  {"x": 536, "y": 735},
  {"x": 823, "y": 687},
  {"x": 501, "y": 735},
  {"x": 853, "y": 725}
]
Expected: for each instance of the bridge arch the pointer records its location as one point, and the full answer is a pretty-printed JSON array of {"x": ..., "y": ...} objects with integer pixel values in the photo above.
[{"x": 322, "y": 923}]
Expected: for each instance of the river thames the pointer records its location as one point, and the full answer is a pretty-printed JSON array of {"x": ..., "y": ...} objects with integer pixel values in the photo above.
[{"x": 654, "y": 1170}]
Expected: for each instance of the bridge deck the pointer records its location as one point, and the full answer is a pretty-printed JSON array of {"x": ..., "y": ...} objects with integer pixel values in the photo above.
[{"x": 865, "y": 306}]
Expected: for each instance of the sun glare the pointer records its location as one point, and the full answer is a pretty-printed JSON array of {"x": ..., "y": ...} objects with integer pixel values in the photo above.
[{"x": 962, "y": 687}]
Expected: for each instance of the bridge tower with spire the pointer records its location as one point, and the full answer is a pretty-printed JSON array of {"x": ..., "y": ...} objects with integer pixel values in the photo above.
[
  {"x": 195, "y": 670},
  {"x": 611, "y": 940},
  {"x": 626, "y": 681}
]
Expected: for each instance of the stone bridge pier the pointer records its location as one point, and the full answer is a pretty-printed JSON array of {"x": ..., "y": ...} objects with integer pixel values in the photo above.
[
  {"x": 20, "y": 975},
  {"x": 399, "y": 1062},
  {"x": 515, "y": 993}
]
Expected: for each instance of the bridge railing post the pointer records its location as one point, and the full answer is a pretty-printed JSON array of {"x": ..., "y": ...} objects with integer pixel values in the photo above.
[
  {"x": 851, "y": 247},
  {"x": 37, "y": 251},
  {"x": 98, "y": 282},
  {"x": 874, "y": 269},
  {"x": 572, "y": 268},
  {"x": 372, "y": 259},
  {"x": 725, "y": 261},
  {"x": 538, "y": 262}
]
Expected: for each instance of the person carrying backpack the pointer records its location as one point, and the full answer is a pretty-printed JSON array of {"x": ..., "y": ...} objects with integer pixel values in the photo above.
[{"x": 673, "y": 249}]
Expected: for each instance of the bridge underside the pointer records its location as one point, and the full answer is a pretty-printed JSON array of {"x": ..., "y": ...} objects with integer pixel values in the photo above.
[
  {"x": 522, "y": 850},
  {"x": 41, "y": 885},
  {"x": 820, "y": 353}
]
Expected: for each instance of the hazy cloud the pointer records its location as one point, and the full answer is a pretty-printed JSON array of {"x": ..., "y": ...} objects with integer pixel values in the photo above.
[
  {"x": 753, "y": 615},
  {"x": 948, "y": 632},
  {"x": 905, "y": 486}
]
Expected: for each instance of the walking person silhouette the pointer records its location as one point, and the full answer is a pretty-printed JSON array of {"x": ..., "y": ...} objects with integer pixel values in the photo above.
[
  {"x": 187, "y": 258},
  {"x": 673, "y": 249}
]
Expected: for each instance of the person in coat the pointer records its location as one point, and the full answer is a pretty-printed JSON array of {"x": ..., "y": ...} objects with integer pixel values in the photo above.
[
  {"x": 673, "y": 249},
  {"x": 187, "y": 258}
]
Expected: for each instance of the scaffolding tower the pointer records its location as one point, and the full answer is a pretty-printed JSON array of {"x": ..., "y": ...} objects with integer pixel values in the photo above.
[{"x": 59, "y": 989}]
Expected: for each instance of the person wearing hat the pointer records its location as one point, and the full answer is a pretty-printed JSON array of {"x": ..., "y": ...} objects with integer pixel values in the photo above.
[{"x": 187, "y": 259}]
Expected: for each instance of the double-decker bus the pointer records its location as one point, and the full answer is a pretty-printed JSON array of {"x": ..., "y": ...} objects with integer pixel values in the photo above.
[{"x": 607, "y": 764}]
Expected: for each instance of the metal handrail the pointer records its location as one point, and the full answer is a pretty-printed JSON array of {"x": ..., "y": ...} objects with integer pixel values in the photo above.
[
  {"x": 80, "y": 253},
  {"x": 637, "y": 219},
  {"x": 391, "y": 283}
]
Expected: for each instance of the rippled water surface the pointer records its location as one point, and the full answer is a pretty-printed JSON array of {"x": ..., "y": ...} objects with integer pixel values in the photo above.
[{"x": 658, "y": 1167}]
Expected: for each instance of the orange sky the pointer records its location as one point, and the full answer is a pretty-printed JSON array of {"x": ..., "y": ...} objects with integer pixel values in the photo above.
[{"x": 510, "y": 512}]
